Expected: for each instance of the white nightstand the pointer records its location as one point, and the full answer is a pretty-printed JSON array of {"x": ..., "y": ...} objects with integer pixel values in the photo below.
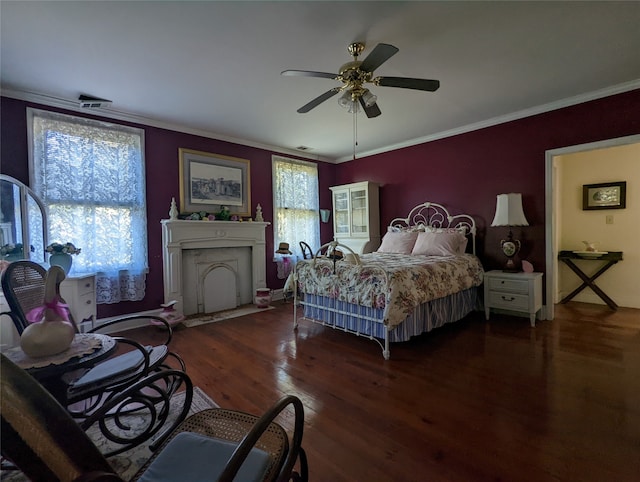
[
  {"x": 80, "y": 294},
  {"x": 520, "y": 292}
]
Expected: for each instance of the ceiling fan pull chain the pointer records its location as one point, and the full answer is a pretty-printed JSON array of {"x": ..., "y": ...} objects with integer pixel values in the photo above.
[{"x": 355, "y": 132}]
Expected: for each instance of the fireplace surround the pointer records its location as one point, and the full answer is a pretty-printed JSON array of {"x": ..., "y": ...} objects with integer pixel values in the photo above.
[{"x": 181, "y": 235}]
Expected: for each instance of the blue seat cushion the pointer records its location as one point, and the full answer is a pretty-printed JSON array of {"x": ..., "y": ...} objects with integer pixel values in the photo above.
[
  {"x": 119, "y": 365},
  {"x": 193, "y": 457}
]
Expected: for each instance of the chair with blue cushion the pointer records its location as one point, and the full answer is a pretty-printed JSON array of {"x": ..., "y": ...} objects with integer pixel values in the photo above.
[
  {"x": 43, "y": 441},
  {"x": 84, "y": 391}
]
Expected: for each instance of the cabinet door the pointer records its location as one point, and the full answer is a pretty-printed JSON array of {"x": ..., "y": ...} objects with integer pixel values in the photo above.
[
  {"x": 341, "y": 212},
  {"x": 359, "y": 217}
]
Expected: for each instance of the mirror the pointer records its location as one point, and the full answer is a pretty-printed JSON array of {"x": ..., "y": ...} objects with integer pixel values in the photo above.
[{"x": 23, "y": 222}]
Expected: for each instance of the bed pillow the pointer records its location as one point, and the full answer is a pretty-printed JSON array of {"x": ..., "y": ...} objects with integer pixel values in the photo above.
[
  {"x": 438, "y": 244},
  {"x": 401, "y": 243},
  {"x": 461, "y": 229}
]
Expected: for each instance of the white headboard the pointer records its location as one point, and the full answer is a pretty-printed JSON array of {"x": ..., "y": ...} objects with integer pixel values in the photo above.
[{"x": 436, "y": 215}]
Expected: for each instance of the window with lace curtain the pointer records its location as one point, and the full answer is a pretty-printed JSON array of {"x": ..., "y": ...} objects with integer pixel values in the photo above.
[
  {"x": 90, "y": 176},
  {"x": 295, "y": 204}
]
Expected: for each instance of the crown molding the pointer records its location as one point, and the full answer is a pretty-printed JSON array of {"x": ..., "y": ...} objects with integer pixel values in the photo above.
[
  {"x": 111, "y": 113},
  {"x": 579, "y": 99}
]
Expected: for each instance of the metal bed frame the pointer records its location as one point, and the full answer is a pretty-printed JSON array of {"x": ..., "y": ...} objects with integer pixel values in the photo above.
[{"x": 425, "y": 214}]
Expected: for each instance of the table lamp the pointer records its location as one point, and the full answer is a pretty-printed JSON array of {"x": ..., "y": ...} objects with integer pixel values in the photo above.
[{"x": 509, "y": 213}]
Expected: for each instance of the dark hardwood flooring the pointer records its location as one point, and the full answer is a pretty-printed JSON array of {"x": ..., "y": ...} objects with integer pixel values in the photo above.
[{"x": 475, "y": 400}]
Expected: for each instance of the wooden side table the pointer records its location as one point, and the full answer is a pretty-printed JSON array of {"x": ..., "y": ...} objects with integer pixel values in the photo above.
[
  {"x": 610, "y": 258},
  {"x": 519, "y": 292}
]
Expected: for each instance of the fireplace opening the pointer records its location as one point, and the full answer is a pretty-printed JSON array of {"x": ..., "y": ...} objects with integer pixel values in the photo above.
[{"x": 216, "y": 279}]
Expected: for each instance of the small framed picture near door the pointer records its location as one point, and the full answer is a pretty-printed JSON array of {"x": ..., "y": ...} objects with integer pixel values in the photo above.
[
  {"x": 210, "y": 181},
  {"x": 606, "y": 195}
]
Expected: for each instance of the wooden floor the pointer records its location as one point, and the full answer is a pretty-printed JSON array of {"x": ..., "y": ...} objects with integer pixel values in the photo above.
[{"x": 472, "y": 401}]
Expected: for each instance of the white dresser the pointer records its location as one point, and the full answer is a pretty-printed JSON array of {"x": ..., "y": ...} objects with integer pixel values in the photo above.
[{"x": 80, "y": 294}]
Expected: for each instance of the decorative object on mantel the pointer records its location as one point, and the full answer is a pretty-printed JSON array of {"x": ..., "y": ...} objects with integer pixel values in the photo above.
[
  {"x": 50, "y": 331},
  {"x": 224, "y": 214},
  {"x": 509, "y": 212},
  {"x": 259, "y": 217},
  {"x": 60, "y": 255},
  {"x": 173, "y": 210}
]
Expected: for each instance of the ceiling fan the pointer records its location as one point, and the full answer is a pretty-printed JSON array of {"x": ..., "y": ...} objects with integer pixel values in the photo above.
[{"x": 355, "y": 74}]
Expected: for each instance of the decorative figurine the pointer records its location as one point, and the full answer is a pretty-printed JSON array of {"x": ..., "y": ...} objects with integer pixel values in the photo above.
[
  {"x": 173, "y": 211},
  {"x": 259, "y": 214}
]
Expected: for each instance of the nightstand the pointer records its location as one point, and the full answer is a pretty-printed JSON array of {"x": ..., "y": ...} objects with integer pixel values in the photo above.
[
  {"x": 80, "y": 294},
  {"x": 519, "y": 292}
]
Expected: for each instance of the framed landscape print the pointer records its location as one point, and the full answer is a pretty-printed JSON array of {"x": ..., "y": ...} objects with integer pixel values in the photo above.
[
  {"x": 606, "y": 195},
  {"x": 210, "y": 181}
]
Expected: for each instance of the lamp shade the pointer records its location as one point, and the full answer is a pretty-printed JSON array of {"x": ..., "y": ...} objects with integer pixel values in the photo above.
[{"x": 509, "y": 211}]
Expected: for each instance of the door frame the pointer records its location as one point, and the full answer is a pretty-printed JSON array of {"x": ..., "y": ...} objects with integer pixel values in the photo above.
[{"x": 551, "y": 187}]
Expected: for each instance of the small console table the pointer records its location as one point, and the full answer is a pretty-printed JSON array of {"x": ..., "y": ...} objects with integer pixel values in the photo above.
[{"x": 610, "y": 258}]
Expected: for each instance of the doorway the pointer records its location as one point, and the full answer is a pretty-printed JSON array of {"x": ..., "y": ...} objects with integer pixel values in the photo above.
[{"x": 552, "y": 190}]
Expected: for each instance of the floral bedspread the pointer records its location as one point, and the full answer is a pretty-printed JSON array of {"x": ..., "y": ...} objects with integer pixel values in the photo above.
[{"x": 395, "y": 282}]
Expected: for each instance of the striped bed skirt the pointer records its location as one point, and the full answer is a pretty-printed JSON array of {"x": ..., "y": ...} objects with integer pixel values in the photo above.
[{"x": 365, "y": 321}]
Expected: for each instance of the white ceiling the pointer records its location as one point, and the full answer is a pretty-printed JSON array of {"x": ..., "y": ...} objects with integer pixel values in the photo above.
[{"x": 214, "y": 68}]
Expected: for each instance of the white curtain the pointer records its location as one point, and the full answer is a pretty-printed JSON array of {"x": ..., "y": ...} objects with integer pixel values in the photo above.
[
  {"x": 295, "y": 206},
  {"x": 90, "y": 176}
]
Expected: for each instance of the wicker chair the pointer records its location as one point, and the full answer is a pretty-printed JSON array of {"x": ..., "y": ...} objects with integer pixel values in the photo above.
[{"x": 43, "y": 441}]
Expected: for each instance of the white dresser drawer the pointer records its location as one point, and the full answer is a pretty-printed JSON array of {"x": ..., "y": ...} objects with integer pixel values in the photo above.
[
  {"x": 87, "y": 285},
  {"x": 85, "y": 309},
  {"x": 509, "y": 301},
  {"x": 510, "y": 285}
]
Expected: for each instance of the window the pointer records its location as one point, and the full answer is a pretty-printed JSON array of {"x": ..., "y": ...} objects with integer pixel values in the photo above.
[
  {"x": 295, "y": 204},
  {"x": 90, "y": 177}
]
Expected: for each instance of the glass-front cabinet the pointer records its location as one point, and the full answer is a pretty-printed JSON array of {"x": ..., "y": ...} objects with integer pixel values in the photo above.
[{"x": 356, "y": 216}]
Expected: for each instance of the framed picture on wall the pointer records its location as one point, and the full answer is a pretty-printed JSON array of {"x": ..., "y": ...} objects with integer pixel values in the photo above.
[
  {"x": 606, "y": 195},
  {"x": 210, "y": 181}
]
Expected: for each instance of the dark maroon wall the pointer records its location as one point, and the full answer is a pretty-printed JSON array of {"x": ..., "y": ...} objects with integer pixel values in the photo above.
[
  {"x": 463, "y": 172},
  {"x": 162, "y": 171},
  {"x": 467, "y": 171}
]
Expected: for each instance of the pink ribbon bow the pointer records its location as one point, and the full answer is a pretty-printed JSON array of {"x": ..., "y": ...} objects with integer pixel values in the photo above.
[{"x": 59, "y": 308}]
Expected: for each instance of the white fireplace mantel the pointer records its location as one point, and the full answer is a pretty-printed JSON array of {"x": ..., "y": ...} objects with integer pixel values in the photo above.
[{"x": 179, "y": 235}]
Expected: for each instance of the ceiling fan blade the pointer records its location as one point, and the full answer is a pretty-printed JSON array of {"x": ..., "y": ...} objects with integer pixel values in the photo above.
[
  {"x": 318, "y": 100},
  {"x": 379, "y": 55},
  {"x": 408, "y": 83},
  {"x": 371, "y": 111},
  {"x": 308, "y": 73}
]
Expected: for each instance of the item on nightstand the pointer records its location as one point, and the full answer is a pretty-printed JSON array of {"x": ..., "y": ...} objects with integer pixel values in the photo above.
[
  {"x": 50, "y": 331},
  {"x": 509, "y": 212},
  {"x": 588, "y": 246},
  {"x": 526, "y": 266}
]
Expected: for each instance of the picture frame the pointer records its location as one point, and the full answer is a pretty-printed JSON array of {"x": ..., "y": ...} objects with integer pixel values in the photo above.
[
  {"x": 209, "y": 181},
  {"x": 605, "y": 195}
]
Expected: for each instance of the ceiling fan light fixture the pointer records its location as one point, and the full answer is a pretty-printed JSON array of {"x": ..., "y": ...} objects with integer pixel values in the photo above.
[
  {"x": 369, "y": 98},
  {"x": 344, "y": 100}
]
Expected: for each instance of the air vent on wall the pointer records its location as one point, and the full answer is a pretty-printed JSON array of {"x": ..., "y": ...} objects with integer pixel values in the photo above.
[{"x": 90, "y": 102}]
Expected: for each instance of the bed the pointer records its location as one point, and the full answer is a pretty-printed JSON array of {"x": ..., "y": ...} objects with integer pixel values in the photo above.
[{"x": 424, "y": 275}]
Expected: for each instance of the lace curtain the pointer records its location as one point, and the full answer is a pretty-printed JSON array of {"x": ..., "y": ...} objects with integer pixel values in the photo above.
[
  {"x": 295, "y": 209},
  {"x": 90, "y": 176}
]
